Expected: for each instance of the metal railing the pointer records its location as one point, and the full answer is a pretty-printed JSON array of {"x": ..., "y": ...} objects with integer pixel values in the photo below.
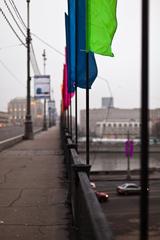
[{"x": 89, "y": 221}]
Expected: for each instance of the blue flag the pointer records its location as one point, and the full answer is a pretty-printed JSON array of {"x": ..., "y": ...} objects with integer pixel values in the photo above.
[
  {"x": 71, "y": 45},
  {"x": 81, "y": 49},
  {"x": 77, "y": 46},
  {"x": 70, "y": 58}
]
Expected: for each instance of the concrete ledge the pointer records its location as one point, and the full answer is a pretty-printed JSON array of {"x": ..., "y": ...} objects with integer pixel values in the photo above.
[
  {"x": 154, "y": 174},
  {"x": 37, "y": 130},
  {"x": 123, "y": 172},
  {"x": 10, "y": 142},
  {"x": 115, "y": 148},
  {"x": 14, "y": 140}
]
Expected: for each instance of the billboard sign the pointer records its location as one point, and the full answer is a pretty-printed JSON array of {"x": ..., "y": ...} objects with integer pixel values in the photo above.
[
  {"x": 42, "y": 86},
  {"x": 51, "y": 105}
]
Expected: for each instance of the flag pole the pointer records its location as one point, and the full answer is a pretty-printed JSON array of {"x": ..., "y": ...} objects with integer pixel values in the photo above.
[
  {"x": 87, "y": 108},
  {"x": 64, "y": 118},
  {"x": 45, "y": 127},
  {"x": 87, "y": 92},
  {"x": 76, "y": 74},
  {"x": 68, "y": 119},
  {"x": 76, "y": 118},
  {"x": 144, "y": 201},
  {"x": 70, "y": 115}
]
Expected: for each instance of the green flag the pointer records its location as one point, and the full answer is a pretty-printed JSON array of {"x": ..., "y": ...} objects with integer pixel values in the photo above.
[{"x": 101, "y": 25}]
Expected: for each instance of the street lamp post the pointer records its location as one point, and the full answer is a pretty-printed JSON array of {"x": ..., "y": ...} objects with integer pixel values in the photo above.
[
  {"x": 49, "y": 109},
  {"x": 45, "y": 118},
  {"x": 28, "y": 121}
]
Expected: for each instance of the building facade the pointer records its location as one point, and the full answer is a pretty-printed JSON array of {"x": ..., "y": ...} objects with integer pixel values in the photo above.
[
  {"x": 17, "y": 111},
  {"x": 118, "y": 129},
  {"x": 116, "y": 122},
  {"x": 4, "y": 119},
  {"x": 107, "y": 102}
]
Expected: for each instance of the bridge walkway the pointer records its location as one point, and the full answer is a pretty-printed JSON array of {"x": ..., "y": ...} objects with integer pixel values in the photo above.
[{"x": 33, "y": 190}]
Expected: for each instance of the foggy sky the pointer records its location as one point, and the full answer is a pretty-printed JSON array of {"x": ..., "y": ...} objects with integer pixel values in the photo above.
[{"x": 122, "y": 72}]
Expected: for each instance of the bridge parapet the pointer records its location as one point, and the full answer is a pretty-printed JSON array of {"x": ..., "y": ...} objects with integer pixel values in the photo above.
[
  {"x": 88, "y": 218},
  {"x": 116, "y": 148}
]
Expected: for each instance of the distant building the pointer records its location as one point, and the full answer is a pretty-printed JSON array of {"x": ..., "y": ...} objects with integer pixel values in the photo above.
[
  {"x": 107, "y": 115},
  {"x": 118, "y": 129},
  {"x": 116, "y": 122},
  {"x": 52, "y": 113},
  {"x": 107, "y": 102},
  {"x": 17, "y": 111},
  {"x": 3, "y": 119}
]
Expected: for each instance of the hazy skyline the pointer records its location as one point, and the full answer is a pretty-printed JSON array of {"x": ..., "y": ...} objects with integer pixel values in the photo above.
[{"x": 122, "y": 72}]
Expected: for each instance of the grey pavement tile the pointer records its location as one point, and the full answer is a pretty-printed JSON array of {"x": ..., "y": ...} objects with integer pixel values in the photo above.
[
  {"x": 33, "y": 190},
  {"x": 8, "y": 196},
  {"x": 52, "y": 215},
  {"x": 33, "y": 232},
  {"x": 42, "y": 197}
]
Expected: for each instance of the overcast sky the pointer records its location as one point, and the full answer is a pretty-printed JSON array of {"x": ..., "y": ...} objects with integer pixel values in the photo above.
[{"x": 122, "y": 72}]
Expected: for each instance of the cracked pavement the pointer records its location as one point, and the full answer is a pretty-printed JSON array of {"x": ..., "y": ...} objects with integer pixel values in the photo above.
[{"x": 33, "y": 190}]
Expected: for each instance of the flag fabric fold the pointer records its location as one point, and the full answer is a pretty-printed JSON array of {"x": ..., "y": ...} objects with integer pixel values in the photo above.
[
  {"x": 101, "y": 25},
  {"x": 70, "y": 56},
  {"x": 90, "y": 28},
  {"x": 71, "y": 45},
  {"x": 66, "y": 96},
  {"x": 81, "y": 50},
  {"x": 77, "y": 47}
]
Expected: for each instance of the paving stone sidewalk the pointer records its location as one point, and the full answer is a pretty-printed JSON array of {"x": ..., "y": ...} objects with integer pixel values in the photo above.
[{"x": 33, "y": 190}]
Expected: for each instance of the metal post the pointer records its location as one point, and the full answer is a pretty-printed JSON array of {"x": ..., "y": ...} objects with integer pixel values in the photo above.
[
  {"x": 68, "y": 123},
  {"x": 76, "y": 119},
  {"x": 50, "y": 111},
  {"x": 71, "y": 117},
  {"x": 144, "y": 120},
  {"x": 50, "y": 120},
  {"x": 44, "y": 117},
  {"x": 129, "y": 149},
  {"x": 44, "y": 70},
  {"x": 28, "y": 121},
  {"x": 128, "y": 157},
  {"x": 76, "y": 62},
  {"x": 87, "y": 108},
  {"x": 87, "y": 92}
]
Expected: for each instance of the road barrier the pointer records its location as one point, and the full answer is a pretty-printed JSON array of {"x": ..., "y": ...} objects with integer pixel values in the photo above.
[
  {"x": 14, "y": 140},
  {"x": 89, "y": 221}
]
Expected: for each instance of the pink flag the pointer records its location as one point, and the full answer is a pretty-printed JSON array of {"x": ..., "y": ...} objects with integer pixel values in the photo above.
[{"x": 66, "y": 95}]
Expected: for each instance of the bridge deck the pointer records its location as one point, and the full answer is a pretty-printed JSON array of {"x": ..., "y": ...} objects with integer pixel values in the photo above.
[{"x": 33, "y": 190}]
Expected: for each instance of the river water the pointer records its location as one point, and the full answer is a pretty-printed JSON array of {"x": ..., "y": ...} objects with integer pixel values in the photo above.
[{"x": 118, "y": 161}]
